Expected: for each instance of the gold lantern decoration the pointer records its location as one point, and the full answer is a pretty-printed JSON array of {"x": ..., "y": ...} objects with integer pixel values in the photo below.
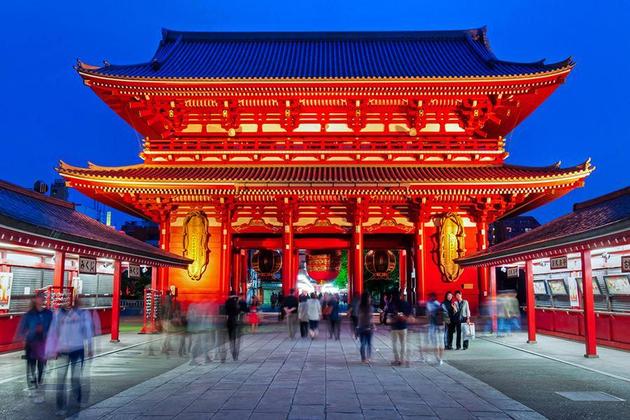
[
  {"x": 266, "y": 263},
  {"x": 196, "y": 239},
  {"x": 323, "y": 266},
  {"x": 380, "y": 263},
  {"x": 451, "y": 245}
]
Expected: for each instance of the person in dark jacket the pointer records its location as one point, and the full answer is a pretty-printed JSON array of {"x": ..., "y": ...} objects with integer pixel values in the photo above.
[
  {"x": 333, "y": 317},
  {"x": 448, "y": 309},
  {"x": 234, "y": 312},
  {"x": 399, "y": 311},
  {"x": 33, "y": 329},
  {"x": 365, "y": 325}
]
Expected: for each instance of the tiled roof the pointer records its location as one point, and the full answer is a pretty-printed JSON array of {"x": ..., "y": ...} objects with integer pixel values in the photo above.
[
  {"x": 322, "y": 174},
  {"x": 308, "y": 55},
  {"x": 30, "y": 212},
  {"x": 606, "y": 214}
]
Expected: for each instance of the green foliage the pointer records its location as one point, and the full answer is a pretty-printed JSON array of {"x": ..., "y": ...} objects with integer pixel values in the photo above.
[{"x": 341, "y": 282}]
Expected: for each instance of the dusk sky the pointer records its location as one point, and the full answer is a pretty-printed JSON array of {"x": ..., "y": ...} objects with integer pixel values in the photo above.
[{"x": 49, "y": 115}]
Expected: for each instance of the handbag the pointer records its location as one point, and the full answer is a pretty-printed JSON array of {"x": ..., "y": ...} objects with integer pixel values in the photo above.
[{"x": 469, "y": 331}]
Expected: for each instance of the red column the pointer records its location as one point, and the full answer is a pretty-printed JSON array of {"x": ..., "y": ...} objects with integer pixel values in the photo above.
[
  {"x": 350, "y": 271},
  {"x": 493, "y": 298},
  {"x": 226, "y": 252},
  {"x": 402, "y": 272},
  {"x": 116, "y": 302},
  {"x": 589, "y": 305},
  {"x": 165, "y": 240},
  {"x": 531, "y": 302},
  {"x": 236, "y": 278},
  {"x": 419, "y": 262},
  {"x": 244, "y": 270},
  {"x": 357, "y": 242},
  {"x": 482, "y": 244},
  {"x": 287, "y": 250},
  {"x": 60, "y": 265}
]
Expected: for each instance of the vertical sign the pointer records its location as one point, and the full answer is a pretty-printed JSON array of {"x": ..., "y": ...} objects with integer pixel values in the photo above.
[
  {"x": 558, "y": 263},
  {"x": 6, "y": 282},
  {"x": 512, "y": 272},
  {"x": 87, "y": 265},
  {"x": 573, "y": 292},
  {"x": 133, "y": 272},
  {"x": 625, "y": 264}
]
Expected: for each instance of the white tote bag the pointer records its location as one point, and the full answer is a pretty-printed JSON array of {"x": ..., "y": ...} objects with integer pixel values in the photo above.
[{"x": 469, "y": 331}]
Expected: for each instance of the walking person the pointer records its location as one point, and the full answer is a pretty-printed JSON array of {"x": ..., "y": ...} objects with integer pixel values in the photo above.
[
  {"x": 461, "y": 316},
  {"x": 252, "y": 316},
  {"x": 274, "y": 301},
  {"x": 353, "y": 312},
  {"x": 289, "y": 308},
  {"x": 33, "y": 329},
  {"x": 435, "y": 333},
  {"x": 449, "y": 325},
  {"x": 314, "y": 310},
  {"x": 70, "y": 335},
  {"x": 233, "y": 312},
  {"x": 365, "y": 326},
  {"x": 399, "y": 311},
  {"x": 333, "y": 317},
  {"x": 303, "y": 315}
]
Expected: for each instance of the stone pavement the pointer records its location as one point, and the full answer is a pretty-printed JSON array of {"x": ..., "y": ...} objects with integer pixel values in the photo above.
[{"x": 276, "y": 378}]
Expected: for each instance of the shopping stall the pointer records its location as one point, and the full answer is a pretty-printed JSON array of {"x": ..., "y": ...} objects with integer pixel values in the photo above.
[
  {"x": 577, "y": 271},
  {"x": 47, "y": 246}
]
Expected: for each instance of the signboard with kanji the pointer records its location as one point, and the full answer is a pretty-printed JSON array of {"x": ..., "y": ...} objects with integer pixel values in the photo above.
[
  {"x": 134, "y": 271},
  {"x": 87, "y": 265},
  {"x": 558, "y": 263}
]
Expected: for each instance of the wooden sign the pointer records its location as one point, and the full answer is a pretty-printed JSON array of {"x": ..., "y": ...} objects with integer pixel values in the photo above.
[
  {"x": 512, "y": 272},
  {"x": 558, "y": 263},
  {"x": 625, "y": 264},
  {"x": 87, "y": 265},
  {"x": 133, "y": 272}
]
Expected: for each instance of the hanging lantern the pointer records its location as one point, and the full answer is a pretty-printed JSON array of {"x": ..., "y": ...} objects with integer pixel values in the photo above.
[
  {"x": 266, "y": 263},
  {"x": 380, "y": 263},
  {"x": 323, "y": 266}
]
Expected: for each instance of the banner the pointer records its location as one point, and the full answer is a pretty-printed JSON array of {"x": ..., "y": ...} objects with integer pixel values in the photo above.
[
  {"x": 574, "y": 298},
  {"x": 6, "y": 282}
]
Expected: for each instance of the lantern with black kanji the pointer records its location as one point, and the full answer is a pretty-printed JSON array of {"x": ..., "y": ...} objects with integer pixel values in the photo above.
[
  {"x": 323, "y": 266},
  {"x": 266, "y": 263},
  {"x": 380, "y": 263}
]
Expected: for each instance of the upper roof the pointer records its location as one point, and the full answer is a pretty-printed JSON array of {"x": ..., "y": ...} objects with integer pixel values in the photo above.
[
  {"x": 26, "y": 211},
  {"x": 591, "y": 220},
  {"x": 326, "y": 55}
]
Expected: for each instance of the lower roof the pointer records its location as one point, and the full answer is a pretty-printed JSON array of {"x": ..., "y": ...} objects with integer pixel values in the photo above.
[
  {"x": 36, "y": 215},
  {"x": 165, "y": 175},
  {"x": 604, "y": 217}
]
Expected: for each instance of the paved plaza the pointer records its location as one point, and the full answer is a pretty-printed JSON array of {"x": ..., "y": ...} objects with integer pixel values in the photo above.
[{"x": 278, "y": 378}]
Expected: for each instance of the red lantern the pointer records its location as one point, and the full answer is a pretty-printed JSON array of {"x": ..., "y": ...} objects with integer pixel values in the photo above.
[
  {"x": 323, "y": 266},
  {"x": 380, "y": 263},
  {"x": 266, "y": 262}
]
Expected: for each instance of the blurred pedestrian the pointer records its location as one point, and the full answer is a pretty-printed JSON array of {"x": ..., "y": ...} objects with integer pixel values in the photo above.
[
  {"x": 33, "y": 329},
  {"x": 289, "y": 308},
  {"x": 365, "y": 325},
  {"x": 353, "y": 313},
  {"x": 303, "y": 315},
  {"x": 233, "y": 312},
  {"x": 435, "y": 331},
  {"x": 449, "y": 311},
  {"x": 274, "y": 301},
  {"x": 314, "y": 310},
  {"x": 399, "y": 311},
  {"x": 253, "y": 317},
  {"x": 333, "y": 317},
  {"x": 69, "y": 339}
]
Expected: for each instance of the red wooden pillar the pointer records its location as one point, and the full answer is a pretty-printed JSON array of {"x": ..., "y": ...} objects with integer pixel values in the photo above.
[
  {"x": 357, "y": 242},
  {"x": 482, "y": 244},
  {"x": 296, "y": 268},
  {"x": 589, "y": 306},
  {"x": 236, "y": 278},
  {"x": 226, "y": 251},
  {"x": 60, "y": 265},
  {"x": 402, "y": 272},
  {"x": 115, "y": 330},
  {"x": 287, "y": 250},
  {"x": 493, "y": 297},
  {"x": 531, "y": 302},
  {"x": 419, "y": 262},
  {"x": 350, "y": 271},
  {"x": 244, "y": 270},
  {"x": 164, "y": 242}
]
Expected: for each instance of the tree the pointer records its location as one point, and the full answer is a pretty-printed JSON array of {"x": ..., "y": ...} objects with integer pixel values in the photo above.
[{"x": 341, "y": 282}]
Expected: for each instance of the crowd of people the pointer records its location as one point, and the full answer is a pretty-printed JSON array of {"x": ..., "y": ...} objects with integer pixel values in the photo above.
[{"x": 64, "y": 336}]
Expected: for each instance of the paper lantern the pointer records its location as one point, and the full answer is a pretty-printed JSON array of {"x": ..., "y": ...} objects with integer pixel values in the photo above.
[
  {"x": 323, "y": 266},
  {"x": 380, "y": 263},
  {"x": 266, "y": 262}
]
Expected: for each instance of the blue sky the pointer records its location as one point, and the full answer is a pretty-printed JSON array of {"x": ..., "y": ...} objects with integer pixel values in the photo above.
[{"x": 47, "y": 114}]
